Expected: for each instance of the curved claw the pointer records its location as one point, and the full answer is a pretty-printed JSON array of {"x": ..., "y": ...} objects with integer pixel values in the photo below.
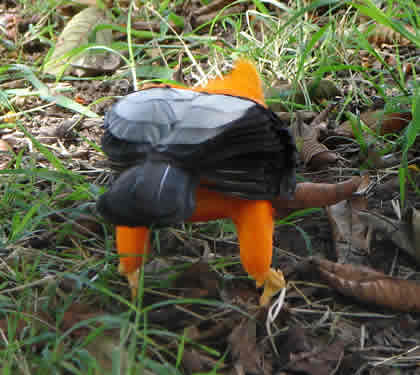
[{"x": 273, "y": 283}]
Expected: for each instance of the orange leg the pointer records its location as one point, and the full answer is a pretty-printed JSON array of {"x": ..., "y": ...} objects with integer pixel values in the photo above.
[
  {"x": 132, "y": 245},
  {"x": 254, "y": 222},
  {"x": 255, "y": 227}
]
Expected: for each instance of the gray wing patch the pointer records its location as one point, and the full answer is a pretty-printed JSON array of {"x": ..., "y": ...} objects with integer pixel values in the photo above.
[{"x": 162, "y": 116}]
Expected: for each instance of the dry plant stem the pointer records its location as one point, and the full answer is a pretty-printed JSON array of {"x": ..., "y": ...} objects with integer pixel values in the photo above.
[{"x": 310, "y": 195}]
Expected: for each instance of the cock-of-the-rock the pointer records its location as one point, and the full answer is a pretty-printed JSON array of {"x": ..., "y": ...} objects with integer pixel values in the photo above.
[{"x": 195, "y": 155}]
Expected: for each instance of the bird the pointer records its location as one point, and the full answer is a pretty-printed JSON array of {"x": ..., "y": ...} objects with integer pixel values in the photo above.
[{"x": 196, "y": 154}]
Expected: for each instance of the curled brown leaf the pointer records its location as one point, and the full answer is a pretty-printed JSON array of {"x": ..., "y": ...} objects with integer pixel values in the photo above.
[
  {"x": 370, "y": 286},
  {"x": 378, "y": 120},
  {"x": 382, "y": 34},
  {"x": 313, "y": 153},
  {"x": 310, "y": 195}
]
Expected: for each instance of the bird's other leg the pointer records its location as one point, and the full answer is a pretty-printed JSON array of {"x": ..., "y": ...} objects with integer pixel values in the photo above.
[
  {"x": 254, "y": 221},
  {"x": 132, "y": 245}
]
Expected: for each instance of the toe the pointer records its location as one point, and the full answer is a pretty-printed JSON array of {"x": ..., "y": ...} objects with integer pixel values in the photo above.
[{"x": 272, "y": 285}]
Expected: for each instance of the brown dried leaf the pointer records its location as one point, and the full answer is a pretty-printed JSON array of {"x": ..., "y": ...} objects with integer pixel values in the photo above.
[
  {"x": 405, "y": 234},
  {"x": 77, "y": 33},
  {"x": 314, "y": 154},
  {"x": 368, "y": 285},
  {"x": 306, "y": 354},
  {"x": 378, "y": 121},
  {"x": 382, "y": 34},
  {"x": 245, "y": 351},
  {"x": 322, "y": 159},
  {"x": 347, "y": 228},
  {"x": 310, "y": 195}
]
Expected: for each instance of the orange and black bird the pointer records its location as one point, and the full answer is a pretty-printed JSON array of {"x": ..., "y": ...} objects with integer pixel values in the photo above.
[{"x": 195, "y": 155}]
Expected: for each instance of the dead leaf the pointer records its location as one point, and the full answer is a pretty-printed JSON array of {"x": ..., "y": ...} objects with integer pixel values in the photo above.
[
  {"x": 378, "y": 121},
  {"x": 77, "y": 33},
  {"x": 381, "y": 34},
  {"x": 368, "y": 285},
  {"x": 348, "y": 231},
  {"x": 302, "y": 353},
  {"x": 310, "y": 195},
  {"x": 313, "y": 153},
  {"x": 245, "y": 351},
  {"x": 405, "y": 234}
]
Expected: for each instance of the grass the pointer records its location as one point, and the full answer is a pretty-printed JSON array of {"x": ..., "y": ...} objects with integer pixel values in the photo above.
[{"x": 51, "y": 260}]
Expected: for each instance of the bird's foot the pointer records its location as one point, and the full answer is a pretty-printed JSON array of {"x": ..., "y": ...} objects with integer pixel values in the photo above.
[
  {"x": 273, "y": 283},
  {"x": 133, "y": 279}
]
